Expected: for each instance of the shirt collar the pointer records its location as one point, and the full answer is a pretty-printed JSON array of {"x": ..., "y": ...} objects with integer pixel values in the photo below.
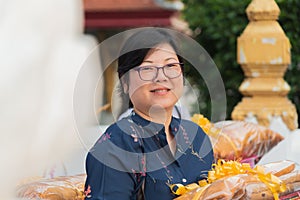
[{"x": 153, "y": 126}]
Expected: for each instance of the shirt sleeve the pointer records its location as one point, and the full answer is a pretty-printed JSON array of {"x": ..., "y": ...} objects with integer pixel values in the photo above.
[{"x": 105, "y": 183}]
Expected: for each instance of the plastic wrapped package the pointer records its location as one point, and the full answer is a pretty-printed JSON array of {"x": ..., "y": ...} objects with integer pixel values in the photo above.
[
  {"x": 58, "y": 188},
  {"x": 252, "y": 184},
  {"x": 279, "y": 168},
  {"x": 243, "y": 187},
  {"x": 191, "y": 195},
  {"x": 261, "y": 191},
  {"x": 226, "y": 188},
  {"x": 238, "y": 140}
]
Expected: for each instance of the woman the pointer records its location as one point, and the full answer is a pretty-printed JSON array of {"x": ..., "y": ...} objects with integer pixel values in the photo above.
[{"x": 141, "y": 155}]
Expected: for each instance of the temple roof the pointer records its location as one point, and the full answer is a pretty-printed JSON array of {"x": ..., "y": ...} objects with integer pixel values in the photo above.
[
  {"x": 110, "y": 14},
  {"x": 120, "y": 5}
]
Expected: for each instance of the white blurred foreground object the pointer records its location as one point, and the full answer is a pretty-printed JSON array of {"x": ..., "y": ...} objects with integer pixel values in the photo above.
[
  {"x": 276, "y": 124},
  {"x": 288, "y": 149},
  {"x": 43, "y": 49}
]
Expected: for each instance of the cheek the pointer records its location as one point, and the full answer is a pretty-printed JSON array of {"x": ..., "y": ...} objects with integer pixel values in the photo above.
[
  {"x": 178, "y": 87},
  {"x": 138, "y": 95},
  {"x": 134, "y": 91},
  {"x": 178, "y": 92},
  {"x": 133, "y": 82},
  {"x": 136, "y": 88}
]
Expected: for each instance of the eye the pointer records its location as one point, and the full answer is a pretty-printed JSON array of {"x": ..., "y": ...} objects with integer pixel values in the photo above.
[
  {"x": 172, "y": 65},
  {"x": 147, "y": 68}
]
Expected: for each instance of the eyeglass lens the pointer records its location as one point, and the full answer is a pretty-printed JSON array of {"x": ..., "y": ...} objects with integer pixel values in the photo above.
[{"x": 148, "y": 73}]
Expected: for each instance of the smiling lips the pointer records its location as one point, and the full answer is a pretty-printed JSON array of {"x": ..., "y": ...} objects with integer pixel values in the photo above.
[{"x": 160, "y": 91}]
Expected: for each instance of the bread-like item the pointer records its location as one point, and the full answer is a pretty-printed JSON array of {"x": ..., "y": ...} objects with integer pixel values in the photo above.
[
  {"x": 291, "y": 177},
  {"x": 226, "y": 148},
  {"x": 228, "y": 188},
  {"x": 279, "y": 168},
  {"x": 248, "y": 186},
  {"x": 58, "y": 188},
  {"x": 190, "y": 194},
  {"x": 261, "y": 191},
  {"x": 231, "y": 187},
  {"x": 59, "y": 193},
  {"x": 244, "y": 187},
  {"x": 240, "y": 139}
]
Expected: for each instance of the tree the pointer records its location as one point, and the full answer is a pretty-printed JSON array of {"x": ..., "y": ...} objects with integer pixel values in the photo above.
[{"x": 217, "y": 24}]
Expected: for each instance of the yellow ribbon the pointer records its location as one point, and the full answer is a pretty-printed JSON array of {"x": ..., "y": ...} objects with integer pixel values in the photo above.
[
  {"x": 273, "y": 182},
  {"x": 202, "y": 121},
  {"x": 180, "y": 189},
  {"x": 212, "y": 131},
  {"x": 229, "y": 168}
]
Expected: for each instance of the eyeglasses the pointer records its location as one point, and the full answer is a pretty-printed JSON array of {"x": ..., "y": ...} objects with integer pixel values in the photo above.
[{"x": 149, "y": 73}]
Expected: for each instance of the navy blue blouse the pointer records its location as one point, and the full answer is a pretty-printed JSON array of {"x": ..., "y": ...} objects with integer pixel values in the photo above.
[{"x": 133, "y": 153}]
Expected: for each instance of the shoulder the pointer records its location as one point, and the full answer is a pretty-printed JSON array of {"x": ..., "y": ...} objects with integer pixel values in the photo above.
[
  {"x": 116, "y": 148},
  {"x": 118, "y": 129},
  {"x": 188, "y": 122},
  {"x": 193, "y": 132},
  {"x": 190, "y": 127},
  {"x": 119, "y": 134}
]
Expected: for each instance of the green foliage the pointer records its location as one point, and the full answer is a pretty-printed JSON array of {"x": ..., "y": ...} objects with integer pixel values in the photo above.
[
  {"x": 290, "y": 21},
  {"x": 217, "y": 24}
]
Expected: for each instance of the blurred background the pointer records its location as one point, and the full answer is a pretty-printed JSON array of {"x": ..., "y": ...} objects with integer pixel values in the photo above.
[{"x": 47, "y": 47}]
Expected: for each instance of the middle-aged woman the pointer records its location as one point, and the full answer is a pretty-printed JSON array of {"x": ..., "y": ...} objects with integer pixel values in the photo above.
[{"x": 140, "y": 155}]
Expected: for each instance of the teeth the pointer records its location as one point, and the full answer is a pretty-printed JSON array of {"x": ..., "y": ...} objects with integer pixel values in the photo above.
[{"x": 160, "y": 90}]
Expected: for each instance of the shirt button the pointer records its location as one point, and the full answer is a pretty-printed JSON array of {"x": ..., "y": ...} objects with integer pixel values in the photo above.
[{"x": 184, "y": 180}]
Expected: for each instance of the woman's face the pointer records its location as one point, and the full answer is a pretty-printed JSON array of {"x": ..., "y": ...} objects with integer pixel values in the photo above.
[{"x": 161, "y": 92}]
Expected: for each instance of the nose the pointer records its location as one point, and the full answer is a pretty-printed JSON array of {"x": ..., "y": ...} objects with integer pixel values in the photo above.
[{"x": 160, "y": 76}]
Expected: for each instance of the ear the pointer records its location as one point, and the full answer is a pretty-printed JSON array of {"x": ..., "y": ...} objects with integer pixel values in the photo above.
[
  {"x": 125, "y": 88},
  {"x": 124, "y": 85}
]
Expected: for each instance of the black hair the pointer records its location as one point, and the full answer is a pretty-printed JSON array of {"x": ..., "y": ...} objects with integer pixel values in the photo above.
[{"x": 135, "y": 50}]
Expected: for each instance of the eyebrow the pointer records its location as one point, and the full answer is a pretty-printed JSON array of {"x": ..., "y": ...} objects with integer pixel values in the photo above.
[{"x": 171, "y": 58}]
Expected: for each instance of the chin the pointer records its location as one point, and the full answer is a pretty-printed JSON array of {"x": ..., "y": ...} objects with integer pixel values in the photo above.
[{"x": 162, "y": 106}]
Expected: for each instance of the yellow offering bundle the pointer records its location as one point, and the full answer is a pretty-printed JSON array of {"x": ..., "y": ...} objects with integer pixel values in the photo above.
[
  {"x": 235, "y": 180},
  {"x": 238, "y": 140}
]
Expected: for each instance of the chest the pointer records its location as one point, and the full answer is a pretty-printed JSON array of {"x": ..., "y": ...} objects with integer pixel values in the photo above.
[{"x": 157, "y": 182}]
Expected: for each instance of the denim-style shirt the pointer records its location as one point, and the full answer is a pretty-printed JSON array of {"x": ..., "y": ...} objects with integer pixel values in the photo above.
[{"x": 133, "y": 153}]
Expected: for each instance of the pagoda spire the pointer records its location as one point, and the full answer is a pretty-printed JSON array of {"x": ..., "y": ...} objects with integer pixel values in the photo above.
[{"x": 263, "y": 51}]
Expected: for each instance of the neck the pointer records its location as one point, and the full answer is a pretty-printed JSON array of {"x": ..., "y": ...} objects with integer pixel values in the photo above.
[
  {"x": 157, "y": 115},
  {"x": 161, "y": 116}
]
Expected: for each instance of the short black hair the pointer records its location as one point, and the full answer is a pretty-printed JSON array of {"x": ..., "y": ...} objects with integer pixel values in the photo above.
[{"x": 135, "y": 49}]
